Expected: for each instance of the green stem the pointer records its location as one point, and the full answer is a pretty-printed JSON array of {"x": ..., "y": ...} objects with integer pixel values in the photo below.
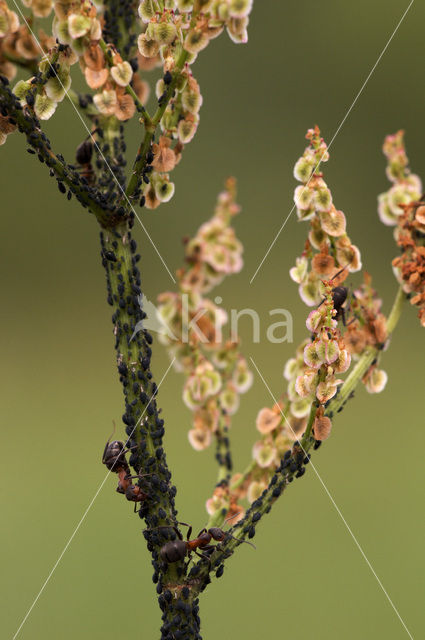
[
  {"x": 144, "y": 428},
  {"x": 152, "y": 124}
]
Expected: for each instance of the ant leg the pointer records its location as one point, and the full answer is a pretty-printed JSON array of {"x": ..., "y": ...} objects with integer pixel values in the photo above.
[
  {"x": 189, "y": 531},
  {"x": 205, "y": 557}
]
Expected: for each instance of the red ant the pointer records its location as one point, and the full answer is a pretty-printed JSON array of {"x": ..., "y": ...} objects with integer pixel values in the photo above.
[
  {"x": 132, "y": 492},
  {"x": 176, "y": 550},
  {"x": 114, "y": 459},
  {"x": 339, "y": 296},
  {"x": 83, "y": 155}
]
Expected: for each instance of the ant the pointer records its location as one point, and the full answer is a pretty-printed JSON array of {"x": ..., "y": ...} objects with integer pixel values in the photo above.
[
  {"x": 176, "y": 550},
  {"x": 114, "y": 456},
  {"x": 132, "y": 492},
  {"x": 339, "y": 296},
  {"x": 114, "y": 459},
  {"x": 83, "y": 155}
]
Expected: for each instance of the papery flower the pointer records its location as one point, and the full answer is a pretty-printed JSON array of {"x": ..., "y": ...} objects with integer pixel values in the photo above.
[
  {"x": 376, "y": 380},
  {"x": 199, "y": 439},
  {"x": 237, "y": 30},
  {"x": 291, "y": 368},
  {"x": 323, "y": 264},
  {"x": 268, "y": 420},
  {"x": 322, "y": 426},
  {"x": 125, "y": 107},
  {"x": 315, "y": 319},
  {"x": 164, "y": 189},
  {"x": 309, "y": 291},
  {"x": 333, "y": 222},
  {"x": 148, "y": 47},
  {"x": 299, "y": 272},
  {"x": 204, "y": 383},
  {"x": 44, "y": 106},
  {"x": 303, "y": 169},
  {"x": 343, "y": 361},
  {"x": 327, "y": 389},
  {"x": 295, "y": 427},
  {"x": 327, "y": 350},
  {"x": 300, "y": 408},
  {"x": 349, "y": 257},
  {"x": 78, "y": 25},
  {"x": 255, "y": 490},
  {"x": 191, "y": 96},
  {"x": 264, "y": 453},
  {"x": 240, "y": 8},
  {"x": 164, "y": 157},
  {"x": 229, "y": 400},
  {"x": 305, "y": 383},
  {"x": 122, "y": 73},
  {"x": 186, "y": 128},
  {"x": 312, "y": 357},
  {"x": 322, "y": 199},
  {"x": 303, "y": 197},
  {"x": 106, "y": 101},
  {"x": 96, "y": 79},
  {"x": 242, "y": 377}
]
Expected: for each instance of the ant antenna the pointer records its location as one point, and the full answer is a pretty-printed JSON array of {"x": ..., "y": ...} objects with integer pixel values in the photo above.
[
  {"x": 113, "y": 431},
  {"x": 238, "y": 513},
  {"x": 340, "y": 271},
  {"x": 245, "y": 541}
]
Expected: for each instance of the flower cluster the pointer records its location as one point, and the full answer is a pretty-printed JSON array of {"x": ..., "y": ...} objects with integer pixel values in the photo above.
[
  {"x": 180, "y": 30},
  {"x": 49, "y": 91},
  {"x": 216, "y": 371},
  {"x": 328, "y": 249},
  {"x": 403, "y": 207},
  {"x": 406, "y": 186},
  {"x": 410, "y": 266},
  {"x": 17, "y": 44},
  {"x": 368, "y": 325}
]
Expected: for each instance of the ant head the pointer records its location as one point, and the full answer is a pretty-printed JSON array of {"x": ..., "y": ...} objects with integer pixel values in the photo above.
[{"x": 217, "y": 534}]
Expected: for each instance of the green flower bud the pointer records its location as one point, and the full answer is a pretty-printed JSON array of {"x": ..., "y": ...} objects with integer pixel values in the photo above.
[
  {"x": 186, "y": 129},
  {"x": 159, "y": 88},
  {"x": 184, "y": 5},
  {"x": 240, "y": 8},
  {"x": 204, "y": 5},
  {"x": 21, "y": 89},
  {"x": 196, "y": 40},
  {"x": 147, "y": 46},
  {"x": 147, "y": 9},
  {"x": 57, "y": 86},
  {"x": 164, "y": 189},
  {"x": 181, "y": 82},
  {"x": 44, "y": 106},
  {"x": 164, "y": 32},
  {"x": 223, "y": 11},
  {"x": 122, "y": 73},
  {"x": 61, "y": 30},
  {"x": 303, "y": 169},
  {"x": 78, "y": 25}
]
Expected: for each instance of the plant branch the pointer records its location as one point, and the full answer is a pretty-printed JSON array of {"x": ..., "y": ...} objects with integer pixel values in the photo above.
[
  {"x": 66, "y": 175},
  {"x": 292, "y": 466}
]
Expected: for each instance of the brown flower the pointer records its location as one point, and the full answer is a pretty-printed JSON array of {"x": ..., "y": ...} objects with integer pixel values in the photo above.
[{"x": 165, "y": 159}]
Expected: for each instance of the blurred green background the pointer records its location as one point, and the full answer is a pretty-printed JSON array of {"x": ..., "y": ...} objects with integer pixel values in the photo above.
[{"x": 304, "y": 64}]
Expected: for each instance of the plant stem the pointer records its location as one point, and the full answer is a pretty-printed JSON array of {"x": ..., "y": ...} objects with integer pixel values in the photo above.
[
  {"x": 152, "y": 124},
  {"x": 144, "y": 427}
]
